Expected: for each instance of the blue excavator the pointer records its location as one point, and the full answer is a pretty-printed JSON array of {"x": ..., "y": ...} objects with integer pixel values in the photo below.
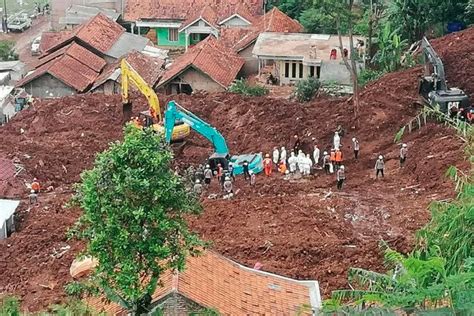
[{"x": 176, "y": 113}]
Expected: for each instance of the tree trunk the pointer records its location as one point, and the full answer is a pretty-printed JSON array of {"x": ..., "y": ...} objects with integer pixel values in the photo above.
[{"x": 368, "y": 53}]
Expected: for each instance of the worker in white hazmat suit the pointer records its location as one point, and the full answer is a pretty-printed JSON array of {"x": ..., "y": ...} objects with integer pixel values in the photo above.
[
  {"x": 292, "y": 162},
  {"x": 276, "y": 156},
  {"x": 316, "y": 154},
  {"x": 283, "y": 155},
  {"x": 307, "y": 166},
  {"x": 301, "y": 161},
  {"x": 337, "y": 141}
]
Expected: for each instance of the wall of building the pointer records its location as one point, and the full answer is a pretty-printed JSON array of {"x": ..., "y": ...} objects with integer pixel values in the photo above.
[
  {"x": 162, "y": 38},
  {"x": 335, "y": 71},
  {"x": 251, "y": 63},
  {"x": 175, "y": 304},
  {"x": 47, "y": 86},
  {"x": 235, "y": 21},
  {"x": 109, "y": 87},
  {"x": 200, "y": 81}
]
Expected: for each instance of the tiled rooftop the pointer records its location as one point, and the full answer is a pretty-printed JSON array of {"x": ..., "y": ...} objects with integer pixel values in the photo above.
[
  {"x": 212, "y": 58},
  {"x": 214, "y": 281},
  {"x": 182, "y": 9}
]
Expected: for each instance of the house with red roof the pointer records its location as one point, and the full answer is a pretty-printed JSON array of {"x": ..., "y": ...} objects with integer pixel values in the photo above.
[
  {"x": 72, "y": 61},
  {"x": 208, "y": 66},
  {"x": 213, "y": 282}
]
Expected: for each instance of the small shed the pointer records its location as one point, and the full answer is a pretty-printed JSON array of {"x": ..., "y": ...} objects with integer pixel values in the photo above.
[{"x": 7, "y": 224}]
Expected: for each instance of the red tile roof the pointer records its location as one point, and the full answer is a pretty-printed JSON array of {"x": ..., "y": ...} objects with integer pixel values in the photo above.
[
  {"x": 214, "y": 281},
  {"x": 74, "y": 65},
  {"x": 77, "y": 52},
  {"x": 52, "y": 39},
  {"x": 207, "y": 13},
  {"x": 182, "y": 9},
  {"x": 7, "y": 169},
  {"x": 149, "y": 68},
  {"x": 212, "y": 58},
  {"x": 100, "y": 32},
  {"x": 273, "y": 21}
]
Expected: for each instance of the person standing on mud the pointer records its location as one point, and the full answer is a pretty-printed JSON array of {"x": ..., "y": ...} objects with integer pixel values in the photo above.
[
  {"x": 355, "y": 147},
  {"x": 275, "y": 156},
  {"x": 326, "y": 161},
  {"x": 403, "y": 155},
  {"x": 245, "y": 167},
  {"x": 340, "y": 177},
  {"x": 207, "y": 175},
  {"x": 297, "y": 145},
  {"x": 316, "y": 153},
  {"x": 379, "y": 167},
  {"x": 253, "y": 178}
]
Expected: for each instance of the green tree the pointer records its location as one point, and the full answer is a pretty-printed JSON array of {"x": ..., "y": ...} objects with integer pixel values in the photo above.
[
  {"x": 293, "y": 8},
  {"x": 315, "y": 21},
  {"x": 342, "y": 14},
  {"x": 469, "y": 12},
  {"x": 133, "y": 220},
  {"x": 391, "y": 49},
  {"x": 306, "y": 89},
  {"x": 7, "y": 51}
]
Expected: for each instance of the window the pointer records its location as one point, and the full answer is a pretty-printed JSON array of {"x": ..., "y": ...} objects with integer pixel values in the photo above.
[
  {"x": 293, "y": 70},
  {"x": 287, "y": 70},
  {"x": 173, "y": 35},
  {"x": 318, "y": 71},
  {"x": 311, "y": 71},
  {"x": 195, "y": 36},
  {"x": 300, "y": 74}
]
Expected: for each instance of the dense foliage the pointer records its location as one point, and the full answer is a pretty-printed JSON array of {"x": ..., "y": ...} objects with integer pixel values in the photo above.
[
  {"x": 240, "y": 86},
  {"x": 7, "y": 51},
  {"x": 306, "y": 89},
  {"x": 133, "y": 220}
]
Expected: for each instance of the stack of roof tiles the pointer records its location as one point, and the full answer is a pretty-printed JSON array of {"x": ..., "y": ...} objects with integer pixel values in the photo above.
[{"x": 212, "y": 58}]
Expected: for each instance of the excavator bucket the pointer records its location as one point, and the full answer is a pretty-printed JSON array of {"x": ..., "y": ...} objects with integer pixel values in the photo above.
[{"x": 255, "y": 163}]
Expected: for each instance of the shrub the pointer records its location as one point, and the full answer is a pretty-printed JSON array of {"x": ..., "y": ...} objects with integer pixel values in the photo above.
[
  {"x": 7, "y": 51},
  {"x": 240, "y": 86},
  {"x": 306, "y": 89},
  {"x": 367, "y": 75}
]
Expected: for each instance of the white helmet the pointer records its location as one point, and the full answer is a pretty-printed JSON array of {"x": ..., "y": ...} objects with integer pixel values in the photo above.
[
  {"x": 207, "y": 166},
  {"x": 342, "y": 167},
  {"x": 227, "y": 178},
  {"x": 353, "y": 139},
  {"x": 32, "y": 191},
  {"x": 292, "y": 153},
  {"x": 197, "y": 181},
  {"x": 380, "y": 157},
  {"x": 325, "y": 153},
  {"x": 283, "y": 148},
  {"x": 404, "y": 145},
  {"x": 287, "y": 171},
  {"x": 250, "y": 172}
]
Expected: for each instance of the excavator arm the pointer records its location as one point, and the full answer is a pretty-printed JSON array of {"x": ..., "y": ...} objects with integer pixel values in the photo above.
[
  {"x": 175, "y": 112},
  {"x": 431, "y": 57},
  {"x": 130, "y": 75}
]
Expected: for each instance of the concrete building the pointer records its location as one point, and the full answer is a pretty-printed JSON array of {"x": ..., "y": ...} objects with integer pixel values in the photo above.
[
  {"x": 15, "y": 70},
  {"x": 79, "y": 14},
  {"x": 211, "y": 281},
  {"x": 298, "y": 56},
  {"x": 7, "y": 220},
  {"x": 208, "y": 66}
]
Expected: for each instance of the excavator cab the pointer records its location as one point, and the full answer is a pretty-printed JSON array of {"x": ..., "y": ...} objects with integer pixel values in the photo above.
[{"x": 180, "y": 130}]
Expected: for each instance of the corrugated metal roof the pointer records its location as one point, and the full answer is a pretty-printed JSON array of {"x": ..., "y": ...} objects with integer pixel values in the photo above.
[
  {"x": 125, "y": 43},
  {"x": 78, "y": 14}
]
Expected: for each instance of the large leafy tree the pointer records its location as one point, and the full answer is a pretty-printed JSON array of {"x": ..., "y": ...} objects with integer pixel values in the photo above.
[{"x": 133, "y": 220}]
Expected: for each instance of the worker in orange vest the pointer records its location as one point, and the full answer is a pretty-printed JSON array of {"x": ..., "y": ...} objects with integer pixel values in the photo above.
[
  {"x": 267, "y": 165},
  {"x": 282, "y": 167},
  {"x": 136, "y": 122},
  {"x": 338, "y": 158},
  {"x": 35, "y": 186}
]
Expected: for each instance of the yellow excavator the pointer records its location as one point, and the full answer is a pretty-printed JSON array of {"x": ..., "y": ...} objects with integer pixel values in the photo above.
[{"x": 152, "y": 117}]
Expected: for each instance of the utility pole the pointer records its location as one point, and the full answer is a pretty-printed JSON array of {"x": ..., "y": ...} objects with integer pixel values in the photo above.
[{"x": 5, "y": 16}]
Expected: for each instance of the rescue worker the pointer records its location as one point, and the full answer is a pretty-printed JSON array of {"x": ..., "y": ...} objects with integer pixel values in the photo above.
[
  {"x": 207, "y": 175},
  {"x": 253, "y": 178},
  {"x": 292, "y": 162},
  {"x": 220, "y": 174},
  {"x": 282, "y": 168},
  {"x": 297, "y": 145},
  {"x": 336, "y": 140},
  {"x": 379, "y": 167},
  {"x": 136, "y": 122},
  {"x": 283, "y": 155},
  {"x": 231, "y": 171},
  {"x": 326, "y": 161},
  {"x": 301, "y": 161},
  {"x": 199, "y": 174},
  {"x": 267, "y": 165},
  {"x": 355, "y": 147},
  {"x": 307, "y": 166},
  {"x": 403, "y": 154},
  {"x": 332, "y": 159},
  {"x": 340, "y": 176},
  {"x": 276, "y": 156},
  {"x": 339, "y": 158},
  {"x": 228, "y": 186},
  {"x": 316, "y": 154},
  {"x": 245, "y": 167},
  {"x": 35, "y": 186},
  {"x": 197, "y": 187},
  {"x": 33, "y": 197}
]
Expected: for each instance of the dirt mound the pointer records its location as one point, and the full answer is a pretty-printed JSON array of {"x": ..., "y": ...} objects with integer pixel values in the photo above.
[{"x": 299, "y": 228}]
